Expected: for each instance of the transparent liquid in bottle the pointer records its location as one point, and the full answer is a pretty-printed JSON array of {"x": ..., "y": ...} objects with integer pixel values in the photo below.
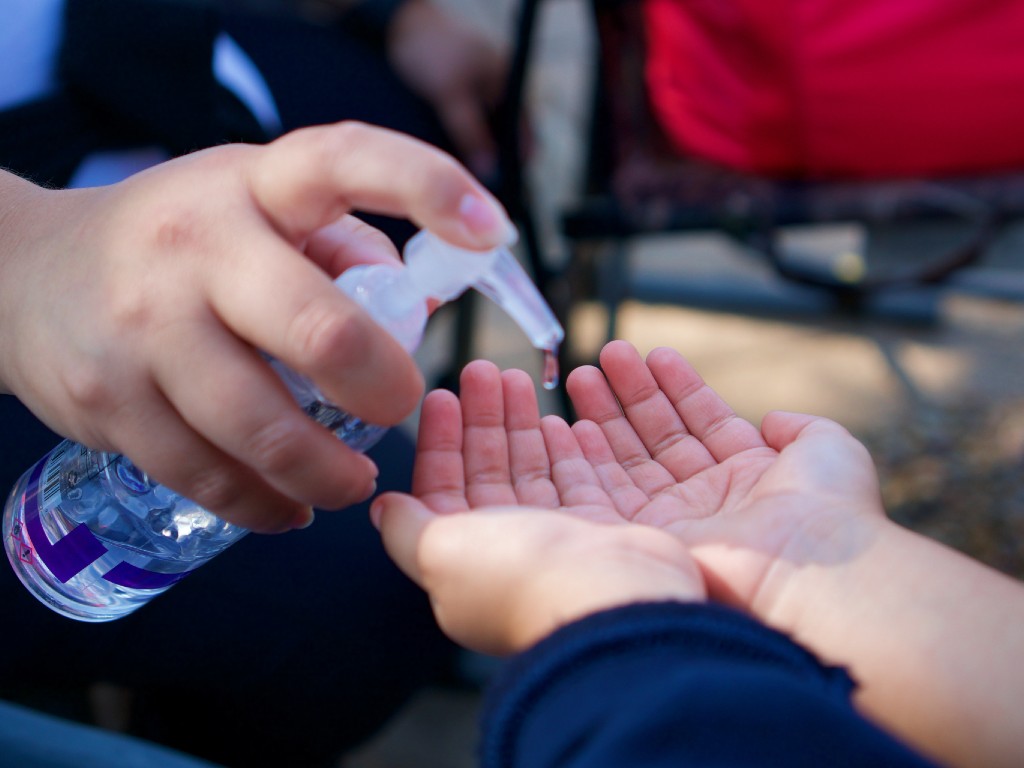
[{"x": 94, "y": 538}]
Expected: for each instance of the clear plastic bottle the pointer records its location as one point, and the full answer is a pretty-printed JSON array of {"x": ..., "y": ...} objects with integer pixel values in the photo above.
[{"x": 92, "y": 537}]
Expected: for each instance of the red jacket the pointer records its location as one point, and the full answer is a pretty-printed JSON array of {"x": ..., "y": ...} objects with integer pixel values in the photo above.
[{"x": 841, "y": 87}]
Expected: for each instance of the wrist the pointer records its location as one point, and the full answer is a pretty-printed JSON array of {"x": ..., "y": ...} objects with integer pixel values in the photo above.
[
  {"x": 819, "y": 568},
  {"x": 558, "y": 597},
  {"x": 907, "y": 616},
  {"x": 20, "y": 205}
]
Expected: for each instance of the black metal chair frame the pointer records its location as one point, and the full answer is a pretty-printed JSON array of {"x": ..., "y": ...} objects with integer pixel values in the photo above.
[{"x": 751, "y": 210}]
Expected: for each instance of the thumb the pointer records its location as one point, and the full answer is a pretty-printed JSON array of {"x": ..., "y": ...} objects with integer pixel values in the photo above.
[
  {"x": 781, "y": 428},
  {"x": 402, "y": 520},
  {"x": 309, "y": 177}
]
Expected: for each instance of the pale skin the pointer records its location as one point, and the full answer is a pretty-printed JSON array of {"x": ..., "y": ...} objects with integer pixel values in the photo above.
[
  {"x": 458, "y": 70},
  {"x": 784, "y": 522},
  {"x": 449, "y": 63},
  {"x": 133, "y": 316}
]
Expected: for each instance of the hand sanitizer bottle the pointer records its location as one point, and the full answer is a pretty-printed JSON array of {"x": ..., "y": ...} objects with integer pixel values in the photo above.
[{"x": 94, "y": 538}]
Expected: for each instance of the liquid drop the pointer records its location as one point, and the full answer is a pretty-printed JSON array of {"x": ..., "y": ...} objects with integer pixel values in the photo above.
[{"x": 550, "y": 377}]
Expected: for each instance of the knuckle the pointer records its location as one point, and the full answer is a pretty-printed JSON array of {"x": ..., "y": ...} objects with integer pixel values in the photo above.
[
  {"x": 174, "y": 229},
  {"x": 322, "y": 335},
  {"x": 328, "y": 143},
  {"x": 348, "y": 134},
  {"x": 213, "y": 487},
  {"x": 89, "y": 387},
  {"x": 274, "y": 447},
  {"x": 443, "y": 181},
  {"x": 130, "y": 312},
  {"x": 163, "y": 224}
]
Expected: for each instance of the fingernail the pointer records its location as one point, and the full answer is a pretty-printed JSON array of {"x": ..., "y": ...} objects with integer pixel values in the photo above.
[
  {"x": 486, "y": 220},
  {"x": 304, "y": 520},
  {"x": 371, "y": 468},
  {"x": 376, "y": 510}
]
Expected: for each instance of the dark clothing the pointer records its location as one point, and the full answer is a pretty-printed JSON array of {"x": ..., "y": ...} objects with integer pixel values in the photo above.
[
  {"x": 32, "y": 740},
  {"x": 668, "y": 685},
  {"x": 284, "y": 650},
  {"x": 130, "y": 74},
  {"x": 322, "y": 74},
  {"x": 137, "y": 74}
]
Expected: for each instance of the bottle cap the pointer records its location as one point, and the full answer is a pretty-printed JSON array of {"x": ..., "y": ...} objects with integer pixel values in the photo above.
[{"x": 443, "y": 271}]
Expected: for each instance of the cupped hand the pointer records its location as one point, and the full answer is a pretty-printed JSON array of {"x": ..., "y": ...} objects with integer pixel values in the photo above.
[
  {"x": 656, "y": 446},
  {"x": 754, "y": 506},
  {"x": 134, "y": 315},
  {"x": 502, "y": 578},
  {"x": 484, "y": 532}
]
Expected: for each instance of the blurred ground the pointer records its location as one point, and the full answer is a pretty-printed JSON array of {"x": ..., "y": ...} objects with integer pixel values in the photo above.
[{"x": 941, "y": 406}]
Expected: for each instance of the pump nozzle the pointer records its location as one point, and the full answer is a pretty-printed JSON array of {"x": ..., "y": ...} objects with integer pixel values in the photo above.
[{"x": 443, "y": 271}]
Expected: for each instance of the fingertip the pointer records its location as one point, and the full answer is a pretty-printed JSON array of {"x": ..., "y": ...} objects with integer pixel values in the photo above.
[
  {"x": 516, "y": 377},
  {"x": 664, "y": 354},
  {"x": 582, "y": 381},
  {"x": 377, "y": 510},
  {"x": 372, "y": 489},
  {"x": 553, "y": 421},
  {"x": 305, "y": 518},
  {"x": 479, "y": 371},
  {"x": 438, "y": 398},
  {"x": 618, "y": 349},
  {"x": 401, "y": 519},
  {"x": 780, "y": 428},
  {"x": 440, "y": 410},
  {"x": 348, "y": 242},
  {"x": 581, "y": 372},
  {"x": 485, "y": 221},
  {"x": 393, "y": 507}
]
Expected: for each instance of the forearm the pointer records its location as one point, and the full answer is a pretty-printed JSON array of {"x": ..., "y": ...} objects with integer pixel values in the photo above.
[
  {"x": 932, "y": 637},
  {"x": 18, "y": 210},
  {"x": 16, "y": 196}
]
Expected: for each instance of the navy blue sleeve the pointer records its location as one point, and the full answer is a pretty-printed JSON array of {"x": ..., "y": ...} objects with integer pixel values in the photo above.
[{"x": 672, "y": 684}]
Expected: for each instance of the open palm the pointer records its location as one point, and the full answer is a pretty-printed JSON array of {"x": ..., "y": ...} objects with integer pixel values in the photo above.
[{"x": 654, "y": 446}]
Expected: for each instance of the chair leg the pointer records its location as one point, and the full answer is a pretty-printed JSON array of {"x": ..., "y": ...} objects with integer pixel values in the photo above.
[
  {"x": 613, "y": 283},
  {"x": 594, "y": 271},
  {"x": 466, "y": 317}
]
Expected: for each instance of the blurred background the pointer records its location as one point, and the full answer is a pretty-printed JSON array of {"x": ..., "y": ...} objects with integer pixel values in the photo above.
[
  {"x": 928, "y": 372},
  {"x": 937, "y": 397}
]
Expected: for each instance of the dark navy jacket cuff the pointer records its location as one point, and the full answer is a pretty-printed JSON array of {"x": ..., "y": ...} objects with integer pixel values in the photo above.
[{"x": 669, "y": 684}]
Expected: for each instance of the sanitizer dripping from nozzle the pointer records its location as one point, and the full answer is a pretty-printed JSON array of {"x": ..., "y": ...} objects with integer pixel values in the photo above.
[
  {"x": 435, "y": 269},
  {"x": 397, "y": 298}
]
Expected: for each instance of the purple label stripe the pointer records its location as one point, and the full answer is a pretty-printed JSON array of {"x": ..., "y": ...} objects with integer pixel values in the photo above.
[
  {"x": 69, "y": 555},
  {"x": 79, "y": 548},
  {"x": 133, "y": 577}
]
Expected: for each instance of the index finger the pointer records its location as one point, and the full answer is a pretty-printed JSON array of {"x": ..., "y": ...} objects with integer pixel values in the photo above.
[
  {"x": 706, "y": 415},
  {"x": 283, "y": 304},
  {"x": 650, "y": 412},
  {"x": 309, "y": 177},
  {"x": 438, "y": 479}
]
